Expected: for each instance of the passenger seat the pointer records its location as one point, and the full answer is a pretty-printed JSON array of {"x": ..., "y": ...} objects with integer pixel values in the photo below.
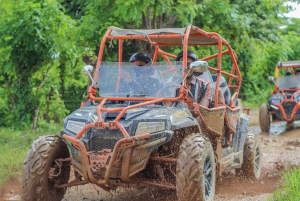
[
  {"x": 224, "y": 88},
  {"x": 208, "y": 77}
]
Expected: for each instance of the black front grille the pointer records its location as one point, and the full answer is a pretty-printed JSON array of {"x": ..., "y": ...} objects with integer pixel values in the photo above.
[
  {"x": 288, "y": 108},
  {"x": 106, "y": 141}
]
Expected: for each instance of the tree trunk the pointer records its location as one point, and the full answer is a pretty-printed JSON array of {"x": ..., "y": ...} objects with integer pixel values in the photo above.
[
  {"x": 160, "y": 21},
  {"x": 35, "y": 118},
  {"x": 171, "y": 21},
  {"x": 36, "y": 113},
  {"x": 154, "y": 24},
  {"x": 145, "y": 26},
  {"x": 48, "y": 101},
  {"x": 149, "y": 18}
]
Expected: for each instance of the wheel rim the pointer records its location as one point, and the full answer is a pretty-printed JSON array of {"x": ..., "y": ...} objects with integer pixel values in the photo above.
[
  {"x": 207, "y": 176},
  {"x": 55, "y": 179},
  {"x": 257, "y": 160}
]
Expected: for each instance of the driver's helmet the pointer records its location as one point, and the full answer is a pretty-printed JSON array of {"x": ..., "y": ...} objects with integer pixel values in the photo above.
[
  {"x": 193, "y": 56},
  {"x": 144, "y": 71},
  {"x": 139, "y": 56},
  {"x": 190, "y": 54}
]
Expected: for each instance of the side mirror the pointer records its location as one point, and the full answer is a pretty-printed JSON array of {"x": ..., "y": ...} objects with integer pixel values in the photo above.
[
  {"x": 87, "y": 70},
  {"x": 271, "y": 78},
  {"x": 199, "y": 66}
]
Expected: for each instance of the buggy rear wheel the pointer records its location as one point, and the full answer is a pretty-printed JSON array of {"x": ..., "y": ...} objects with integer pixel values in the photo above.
[
  {"x": 251, "y": 166},
  {"x": 42, "y": 171},
  {"x": 196, "y": 169},
  {"x": 264, "y": 118}
]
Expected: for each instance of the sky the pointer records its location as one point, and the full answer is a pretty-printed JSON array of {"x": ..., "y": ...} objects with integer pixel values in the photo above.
[{"x": 295, "y": 13}]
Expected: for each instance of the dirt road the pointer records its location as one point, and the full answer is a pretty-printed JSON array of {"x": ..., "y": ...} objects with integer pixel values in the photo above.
[{"x": 278, "y": 153}]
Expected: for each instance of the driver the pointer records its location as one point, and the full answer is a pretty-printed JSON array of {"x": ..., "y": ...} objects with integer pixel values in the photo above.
[
  {"x": 141, "y": 81},
  {"x": 200, "y": 89}
]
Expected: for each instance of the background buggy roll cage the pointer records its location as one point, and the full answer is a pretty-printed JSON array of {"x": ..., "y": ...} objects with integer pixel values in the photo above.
[
  {"x": 288, "y": 66},
  {"x": 190, "y": 35}
]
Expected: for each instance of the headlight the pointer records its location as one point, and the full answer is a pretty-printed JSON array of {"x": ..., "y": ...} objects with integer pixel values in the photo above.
[
  {"x": 275, "y": 101},
  {"x": 75, "y": 126},
  {"x": 276, "y": 98},
  {"x": 149, "y": 127}
]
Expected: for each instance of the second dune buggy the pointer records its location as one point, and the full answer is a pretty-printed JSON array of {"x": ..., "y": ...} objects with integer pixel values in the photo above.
[{"x": 283, "y": 108}]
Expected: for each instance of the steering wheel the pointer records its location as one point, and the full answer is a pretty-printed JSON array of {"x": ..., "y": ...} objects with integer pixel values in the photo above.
[{"x": 169, "y": 90}]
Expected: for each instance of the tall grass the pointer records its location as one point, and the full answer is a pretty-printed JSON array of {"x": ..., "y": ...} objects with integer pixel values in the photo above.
[
  {"x": 14, "y": 146},
  {"x": 290, "y": 189}
]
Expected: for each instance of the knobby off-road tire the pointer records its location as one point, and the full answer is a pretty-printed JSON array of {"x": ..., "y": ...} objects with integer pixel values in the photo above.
[
  {"x": 196, "y": 169},
  {"x": 264, "y": 118},
  {"x": 40, "y": 159},
  {"x": 251, "y": 167}
]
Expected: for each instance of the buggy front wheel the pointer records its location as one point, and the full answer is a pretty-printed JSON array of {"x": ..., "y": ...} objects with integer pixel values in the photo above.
[
  {"x": 196, "y": 169},
  {"x": 251, "y": 166},
  {"x": 42, "y": 172},
  {"x": 264, "y": 118}
]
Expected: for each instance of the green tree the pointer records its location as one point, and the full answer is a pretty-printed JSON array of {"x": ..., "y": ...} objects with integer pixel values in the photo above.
[{"x": 35, "y": 36}]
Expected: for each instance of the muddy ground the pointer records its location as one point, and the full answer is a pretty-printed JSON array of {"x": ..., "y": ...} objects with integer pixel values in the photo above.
[{"x": 278, "y": 154}]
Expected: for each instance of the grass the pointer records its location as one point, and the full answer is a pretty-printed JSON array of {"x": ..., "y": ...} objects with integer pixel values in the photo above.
[
  {"x": 14, "y": 146},
  {"x": 290, "y": 189},
  {"x": 251, "y": 105}
]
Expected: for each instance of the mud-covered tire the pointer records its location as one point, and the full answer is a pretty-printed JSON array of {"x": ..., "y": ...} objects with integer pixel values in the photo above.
[
  {"x": 196, "y": 169},
  {"x": 40, "y": 159},
  {"x": 251, "y": 166},
  {"x": 264, "y": 118}
]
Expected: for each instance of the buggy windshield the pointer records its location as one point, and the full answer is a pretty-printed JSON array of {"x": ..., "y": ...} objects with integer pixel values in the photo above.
[
  {"x": 288, "y": 82},
  {"x": 124, "y": 79}
]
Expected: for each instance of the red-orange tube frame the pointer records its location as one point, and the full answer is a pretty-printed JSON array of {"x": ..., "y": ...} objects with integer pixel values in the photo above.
[
  {"x": 185, "y": 37},
  {"x": 285, "y": 100}
]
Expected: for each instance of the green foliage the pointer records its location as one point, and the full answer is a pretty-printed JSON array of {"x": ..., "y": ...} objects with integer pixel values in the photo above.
[
  {"x": 98, "y": 15},
  {"x": 290, "y": 187},
  {"x": 37, "y": 36}
]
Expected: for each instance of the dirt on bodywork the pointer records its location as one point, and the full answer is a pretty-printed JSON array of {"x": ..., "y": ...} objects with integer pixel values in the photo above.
[{"x": 275, "y": 150}]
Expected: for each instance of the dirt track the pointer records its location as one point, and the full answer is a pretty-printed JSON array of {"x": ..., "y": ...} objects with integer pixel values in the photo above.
[{"x": 278, "y": 153}]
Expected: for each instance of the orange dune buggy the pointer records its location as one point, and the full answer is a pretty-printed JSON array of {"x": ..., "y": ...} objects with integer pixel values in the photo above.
[
  {"x": 156, "y": 136},
  {"x": 284, "y": 103}
]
